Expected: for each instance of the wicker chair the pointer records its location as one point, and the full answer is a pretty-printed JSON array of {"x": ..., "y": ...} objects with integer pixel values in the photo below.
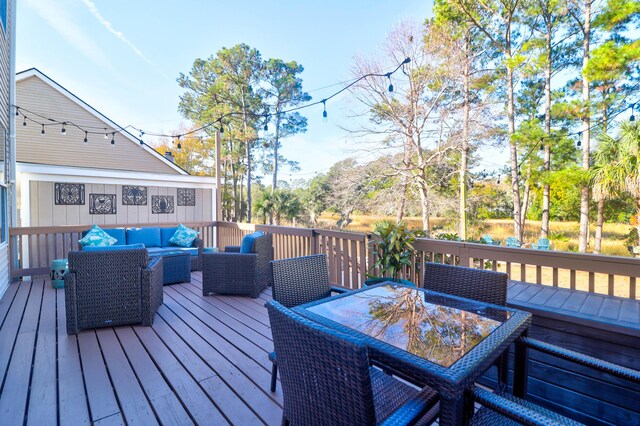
[
  {"x": 478, "y": 284},
  {"x": 109, "y": 288},
  {"x": 504, "y": 409},
  {"x": 232, "y": 272},
  {"x": 297, "y": 281},
  {"x": 327, "y": 379}
]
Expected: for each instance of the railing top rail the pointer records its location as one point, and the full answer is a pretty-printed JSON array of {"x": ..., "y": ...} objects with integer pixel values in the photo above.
[{"x": 32, "y": 230}]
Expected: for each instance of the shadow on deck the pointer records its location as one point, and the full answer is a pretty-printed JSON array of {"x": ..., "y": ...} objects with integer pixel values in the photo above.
[{"x": 203, "y": 361}]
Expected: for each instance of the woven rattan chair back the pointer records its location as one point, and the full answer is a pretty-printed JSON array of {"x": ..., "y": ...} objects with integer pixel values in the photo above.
[
  {"x": 478, "y": 284},
  {"x": 325, "y": 375},
  {"x": 300, "y": 280}
]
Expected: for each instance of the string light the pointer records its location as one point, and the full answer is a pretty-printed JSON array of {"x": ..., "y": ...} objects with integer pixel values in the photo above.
[
  {"x": 42, "y": 131},
  {"x": 266, "y": 120},
  {"x": 633, "y": 117},
  {"x": 17, "y": 111},
  {"x": 113, "y": 138},
  {"x": 541, "y": 147},
  {"x": 86, "y": 136},
  {"x": 579, "y": 143},
  {"x": 64, "y": 131},
  {"x": 390, "y": 84},
  {"x": 24, "y": 121},
  {"x": 324, "y": 108},
  {"x": 179, "y": 144},
  {"x": 106, "y": 135}
]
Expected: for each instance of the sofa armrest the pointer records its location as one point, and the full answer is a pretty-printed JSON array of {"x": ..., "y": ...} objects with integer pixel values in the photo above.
[
  {"x": 71, "y": 302},
  {"x": 232, "y": 249},
  {"x": 151, "y": 289}
]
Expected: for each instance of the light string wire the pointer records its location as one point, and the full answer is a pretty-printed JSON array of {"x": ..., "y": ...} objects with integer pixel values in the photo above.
[{"x": 98, "y": 130}]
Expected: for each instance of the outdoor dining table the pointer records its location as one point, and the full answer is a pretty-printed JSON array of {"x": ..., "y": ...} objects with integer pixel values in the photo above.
[{"x": 428, "y": 338}]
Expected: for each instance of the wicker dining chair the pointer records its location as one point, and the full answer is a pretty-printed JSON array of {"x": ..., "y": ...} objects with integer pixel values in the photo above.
[
  {"x": 296, "y": 281},
  {"x": 502, "y": 408},
  {"x": 478, "y": 284},
  {"x": 327, "y": 378}
]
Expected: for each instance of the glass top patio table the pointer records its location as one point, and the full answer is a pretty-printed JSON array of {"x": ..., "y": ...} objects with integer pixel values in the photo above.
[{"x": 427, "y": 337}]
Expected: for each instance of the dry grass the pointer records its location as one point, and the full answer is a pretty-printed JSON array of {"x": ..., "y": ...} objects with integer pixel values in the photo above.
[{"x": 564, "y": 235}]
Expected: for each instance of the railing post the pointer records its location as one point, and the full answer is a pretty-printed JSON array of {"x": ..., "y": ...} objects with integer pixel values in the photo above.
[
  {"x": 315, "y": 242},
  {"x": 465, "y": 256}
]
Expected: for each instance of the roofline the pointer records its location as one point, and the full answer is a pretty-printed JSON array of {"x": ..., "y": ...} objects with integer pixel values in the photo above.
[{"x": 34, "y": 72}]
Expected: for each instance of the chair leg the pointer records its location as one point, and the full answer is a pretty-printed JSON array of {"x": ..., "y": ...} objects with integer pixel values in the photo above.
[
  {"x": 274, "y": 377},
  {"x": 503, "y": 371}
]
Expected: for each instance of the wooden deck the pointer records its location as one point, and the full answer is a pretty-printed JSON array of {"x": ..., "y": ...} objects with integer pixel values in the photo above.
[{"x": 203, "y": 361}]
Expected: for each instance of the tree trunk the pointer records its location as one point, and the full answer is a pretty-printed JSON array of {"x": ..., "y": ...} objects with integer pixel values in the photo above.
[
  {"x": 464, "y": 158},
  {"x": 276, "y": 140},
  {"x": 404, "y": 180},
  {"x": 248, "y": 152},
  {"x": 424, "y": 202},
  {"x": 515, "y": 184},
  {"x": 599, "y": 224},
  {"x": 546, "y": 190},
  {"x": 583, "y": 240}
]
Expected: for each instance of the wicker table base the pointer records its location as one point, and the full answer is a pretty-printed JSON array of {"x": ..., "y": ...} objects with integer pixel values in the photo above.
[{"x": 176, "y": 267}]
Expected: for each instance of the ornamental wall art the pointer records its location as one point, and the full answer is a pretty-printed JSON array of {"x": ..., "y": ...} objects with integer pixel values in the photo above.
[
  {"x": 162, "y": 204},
  {"x": 134, "y": 195},
  {"x": 102, "y": 203},
  {"x": 69, "y": 194},
  {"x": 186, "y": 197}
]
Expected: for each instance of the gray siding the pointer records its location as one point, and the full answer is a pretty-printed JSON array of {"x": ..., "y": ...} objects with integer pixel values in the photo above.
[
  {"x": 44, "y": 212},
  {"x": 69, "y": 149}
]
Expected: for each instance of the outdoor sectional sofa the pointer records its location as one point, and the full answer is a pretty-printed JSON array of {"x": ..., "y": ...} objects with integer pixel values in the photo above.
[{"x": 156, "y": 241}]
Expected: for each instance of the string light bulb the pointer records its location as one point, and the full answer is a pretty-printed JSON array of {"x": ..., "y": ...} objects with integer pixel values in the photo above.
[
  {"x": 390, "y": 83},
  {"x": 42, "y": 131},
  {"x": 579, "y": 143},
  {"x": 324, "y": 108},
  {"x": 541, "y": 147},
  {"x": 24, "y": 121},
  {"x": 106, "y": 135},
  {"x": 17, "y": 111},
  {"x": 498, "y": 181},
  {"x": 64, "y": 131},
  {"x": 113, "y": 138},
  {"x": 179, "y": 144},
  {"x": 633, "y": 117},
  {"x": 86, "y": 137},
  {"x": 266, "y": 121}
]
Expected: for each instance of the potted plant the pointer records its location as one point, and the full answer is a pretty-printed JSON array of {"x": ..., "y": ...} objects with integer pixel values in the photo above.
[{"x": 393, "y": 250}]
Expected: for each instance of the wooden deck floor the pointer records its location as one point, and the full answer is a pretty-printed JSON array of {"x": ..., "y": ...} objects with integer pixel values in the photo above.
[{"x": 203, "y": 361}]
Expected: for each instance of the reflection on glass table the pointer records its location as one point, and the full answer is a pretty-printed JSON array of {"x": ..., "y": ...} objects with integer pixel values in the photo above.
[{"x": 405, "y": 318}]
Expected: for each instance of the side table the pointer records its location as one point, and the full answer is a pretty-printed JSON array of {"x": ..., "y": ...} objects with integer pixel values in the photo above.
[{"x": 59, "y": 267}]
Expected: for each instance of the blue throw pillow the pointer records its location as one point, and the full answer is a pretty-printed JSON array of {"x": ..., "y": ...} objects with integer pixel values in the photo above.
[
  {"x": 247, "y": 241},
  {"x": 96, "y": 237},
  {"x": 113, "y": 248},
  {"x": 165, "y": 236},
  {"x": 184, "y": 236},
  {"x": 150, "y": 237}
]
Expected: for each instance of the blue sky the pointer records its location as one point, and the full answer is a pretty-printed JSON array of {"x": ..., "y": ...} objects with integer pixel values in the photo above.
[{"x": 123, "y": 57}]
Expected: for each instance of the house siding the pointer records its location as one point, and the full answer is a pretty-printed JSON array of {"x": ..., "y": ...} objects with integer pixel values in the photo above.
[
  {"x": 44, "y": 211},
  {"x": 68, "y": 149}
]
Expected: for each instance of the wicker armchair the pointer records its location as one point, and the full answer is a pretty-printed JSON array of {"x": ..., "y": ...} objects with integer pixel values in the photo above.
[
  {"x": 478, "y": 284},
  {"x": 327, "y": 379},
  {"x": 109, "y": 288},
  {"x": 297, "y": 281},
  {"x": 504, "y": 409},
  {"x": 232, "y": 272}
]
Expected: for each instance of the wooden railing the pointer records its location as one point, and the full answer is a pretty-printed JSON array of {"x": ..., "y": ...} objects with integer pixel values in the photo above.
[
  {"x": 350, "y": 257},
  {"x": 38, "y": 246}
]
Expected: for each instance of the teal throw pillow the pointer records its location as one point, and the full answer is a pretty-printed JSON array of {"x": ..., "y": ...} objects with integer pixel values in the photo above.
[
  {"x": 96, "y": 237},
  {"x": 184, "y": 236}
]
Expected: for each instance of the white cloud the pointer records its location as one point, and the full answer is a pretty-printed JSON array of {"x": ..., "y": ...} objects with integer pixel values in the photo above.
[
  {"x": 105, "y": 23},
  {"x": 61, "y": 21}
]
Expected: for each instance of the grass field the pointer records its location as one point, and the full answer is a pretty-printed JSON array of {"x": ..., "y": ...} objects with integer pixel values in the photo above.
[{"x": 564, "y": 235}]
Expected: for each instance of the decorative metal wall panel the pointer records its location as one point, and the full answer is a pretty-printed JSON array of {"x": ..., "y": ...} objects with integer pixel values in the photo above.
[
  {"x": 134, "y": 195},
  {"x": 69, "y": 194},
  {"x": 186, "y": 197},
  {"x": 162, "y": 204},
  {"x": 102, "y": 203}
]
